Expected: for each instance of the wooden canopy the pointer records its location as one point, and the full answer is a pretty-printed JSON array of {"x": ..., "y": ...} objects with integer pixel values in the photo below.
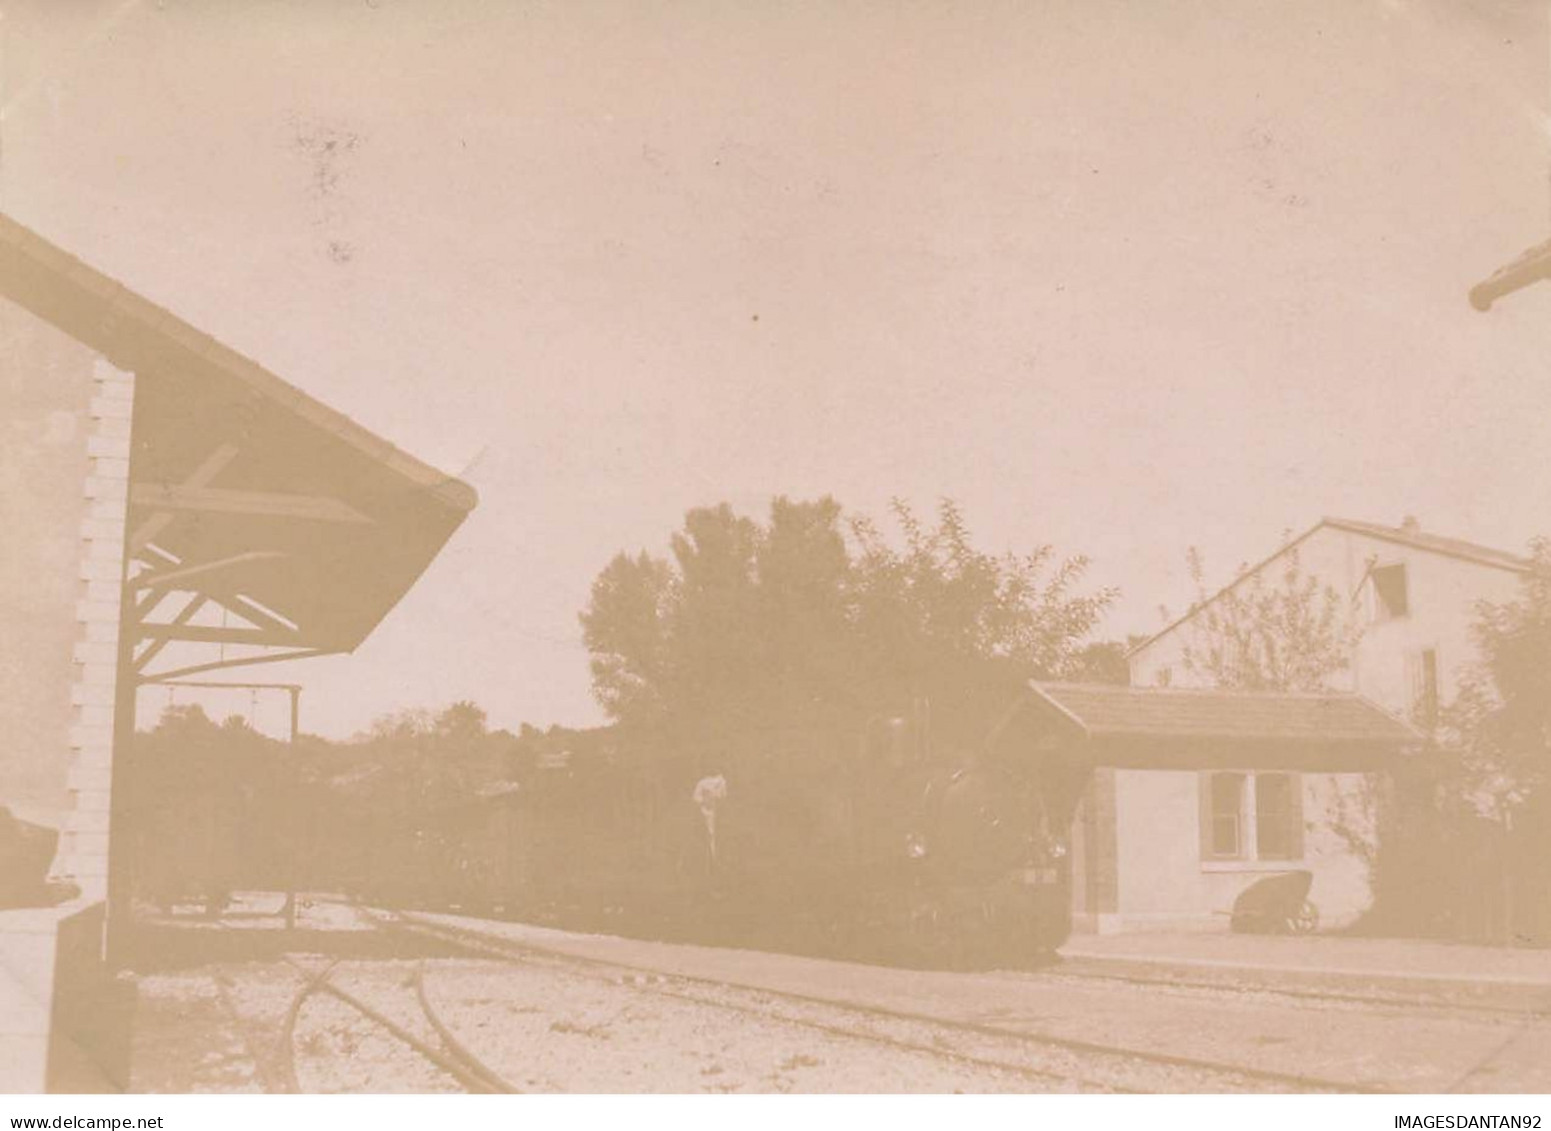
[{"x": 258, "y": 518}]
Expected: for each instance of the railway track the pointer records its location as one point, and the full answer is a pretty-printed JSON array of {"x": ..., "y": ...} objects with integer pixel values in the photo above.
[
  {"x": 449, "y": 1056},
  {"x": 1045, "y": 1058},
  {"x": 1528, "y": 1008},
  {"x": 269, "y": 1067}
]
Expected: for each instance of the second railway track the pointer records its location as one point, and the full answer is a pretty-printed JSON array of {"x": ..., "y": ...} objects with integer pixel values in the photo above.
[
  {"x": 449, "y": 1056},
  {"x": 1046, "y": 1058}
]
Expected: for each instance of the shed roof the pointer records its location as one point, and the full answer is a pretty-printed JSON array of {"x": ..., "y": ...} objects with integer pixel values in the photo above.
[
  {"x": 1096, "y": 725},
  {"x": 1109, "y": 710}
]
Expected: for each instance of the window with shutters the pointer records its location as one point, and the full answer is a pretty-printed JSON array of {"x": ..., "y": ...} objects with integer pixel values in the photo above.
[{"x": 1251, "y": 817}]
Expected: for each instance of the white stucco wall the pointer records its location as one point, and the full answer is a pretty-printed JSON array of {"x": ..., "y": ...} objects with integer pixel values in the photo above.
[
  {"x": 1157, "y": 848},
  {"x": 46, "y": 389},
  {"x": 1164, "y": 882},
  {"x": 64, "y": 469},
  {"x": 65, "y": 418},
  {"x": 1444, "y": 593}
]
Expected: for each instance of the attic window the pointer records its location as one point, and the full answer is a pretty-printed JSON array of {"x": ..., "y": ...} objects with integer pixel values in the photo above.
[{"x": 1391, "y": 599}]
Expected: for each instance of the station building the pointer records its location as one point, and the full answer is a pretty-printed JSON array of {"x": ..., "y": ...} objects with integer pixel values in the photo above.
[{"x": 171, "y": 508}]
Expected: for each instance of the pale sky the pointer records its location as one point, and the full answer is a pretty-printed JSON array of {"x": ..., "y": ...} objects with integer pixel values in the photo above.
[{"x": 1122, "y": 277}]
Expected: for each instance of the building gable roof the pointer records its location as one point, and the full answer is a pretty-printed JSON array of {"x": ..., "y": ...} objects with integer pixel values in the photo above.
[
  {"x": 1433, "y": 543},
  {"x": 1400, "y": 535}
]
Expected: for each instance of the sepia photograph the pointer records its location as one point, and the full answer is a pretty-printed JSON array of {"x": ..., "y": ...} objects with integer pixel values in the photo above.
[{"x": 621, "y": 547}]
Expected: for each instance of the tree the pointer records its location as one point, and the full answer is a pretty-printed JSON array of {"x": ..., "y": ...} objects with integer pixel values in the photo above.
[
  {"x": 759, "y": 635},
  {"x": 714, "y": 643},
  {"x": 1487, "y": 826},
  {"x": 1499, "y": 724},
  {"x": 1262, "y": 633},
  {"x": 209, "y": 801},
  {"x": 938, "y": 596},
  {"x": 625, "y": 629},
  {"x": 463, "y": 721},
  {"x": 714, "y": 630},
  {"x": 1103, "y": 661},
  {"x": 400, "y": 726}
]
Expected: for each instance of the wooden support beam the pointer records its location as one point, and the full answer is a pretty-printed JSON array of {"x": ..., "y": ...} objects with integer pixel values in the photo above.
[
  {"x": 265, "y": 504},
  {"x": 269, "y": 628},
  {"x": 213, "y": 465},
  {"x": 184, "y": 615},
  {"x": 251, "y": 613},
  {"x": 148, "y": 601},
  {"x": 207, "y": 634},
  {"x": 255, "y": 613},
  {"x": 239, "y": 662},
  {"x": 162, "y": 579}
]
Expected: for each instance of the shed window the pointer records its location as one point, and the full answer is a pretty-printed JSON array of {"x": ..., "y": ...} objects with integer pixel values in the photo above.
[
  {"x": 1251, "y": 817},
  {"x": 1390, "y": 596}
]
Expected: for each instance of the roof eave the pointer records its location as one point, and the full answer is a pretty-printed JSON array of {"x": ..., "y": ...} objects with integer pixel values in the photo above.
[
  {"x": 133, "y": 332},
  {"x": 1054, "y": 704},
  {"x": 1491, "y": 559},
  {"x": 1242, "y": 577}
]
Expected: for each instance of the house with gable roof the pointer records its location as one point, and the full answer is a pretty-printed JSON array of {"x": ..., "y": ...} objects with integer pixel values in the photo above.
[{"x": 1171, "y": 844}]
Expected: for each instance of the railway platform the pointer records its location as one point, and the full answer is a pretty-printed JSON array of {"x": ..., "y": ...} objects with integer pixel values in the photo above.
[{"x": 64, "y": 1020}]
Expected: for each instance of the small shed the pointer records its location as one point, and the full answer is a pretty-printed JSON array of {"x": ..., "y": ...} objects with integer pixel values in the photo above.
[{"x": 1190, "y": 795}]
